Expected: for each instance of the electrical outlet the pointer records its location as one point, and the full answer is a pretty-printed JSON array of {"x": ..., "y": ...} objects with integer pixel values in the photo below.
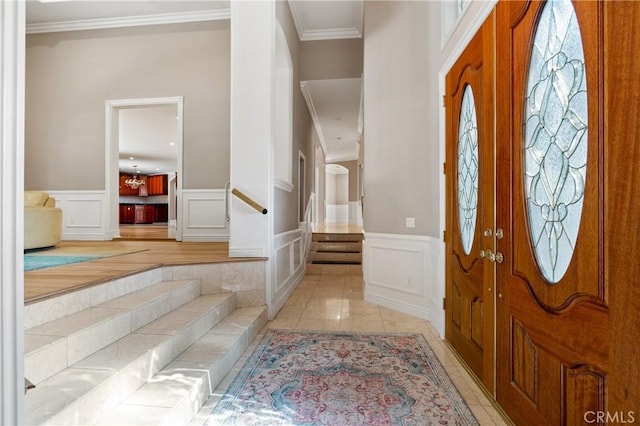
[{"x": 410, "y": 222}]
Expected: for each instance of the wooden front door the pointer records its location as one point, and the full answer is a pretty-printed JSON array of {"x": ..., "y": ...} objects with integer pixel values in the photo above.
[
  {"x": 552, "y": 311},
  {"x": 469, "y": 324}
]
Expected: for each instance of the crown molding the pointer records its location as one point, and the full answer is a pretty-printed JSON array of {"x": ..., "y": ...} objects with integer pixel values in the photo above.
[
  {"x": 342, "y": 157},
  {"x": 297, "y": 18},
  {"x": 325, "y": 34},
  {"x": 332, "y": 34},
  {"x": 129, "y": 21}
]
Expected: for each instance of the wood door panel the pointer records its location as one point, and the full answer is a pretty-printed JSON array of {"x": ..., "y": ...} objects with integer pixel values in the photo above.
[
  {"x": 552, "y": 338},
  {"x": 584, "y": 392},
  {"x": 469, "y": 322},
  {"x": 588, "y": 250},
  {"x": 551, "y": 390},
  {"x": 622, "y": 222}
]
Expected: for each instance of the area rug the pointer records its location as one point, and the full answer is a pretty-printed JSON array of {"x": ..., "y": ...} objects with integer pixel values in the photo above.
[
  {"x": 340, "y": 379},
  {"x": 57, "y": 256},
  {"x": 31, "y": 263}
]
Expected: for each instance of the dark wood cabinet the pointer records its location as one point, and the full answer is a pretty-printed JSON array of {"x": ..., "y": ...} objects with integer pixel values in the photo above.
[
  {"x": 157, "y": 185},
  {"x": 143, "y": 213},
  {"x": 149, "y": 215},
  {"x": 127, "y": 213},
  {"x": 162, "y": 212}
]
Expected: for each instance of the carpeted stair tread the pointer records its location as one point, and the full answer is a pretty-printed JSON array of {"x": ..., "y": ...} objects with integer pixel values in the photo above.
[
  {"x": 57, "y": 344},
  {"x": 175, "y": 394},
  {"x": 88, "y": 389}
]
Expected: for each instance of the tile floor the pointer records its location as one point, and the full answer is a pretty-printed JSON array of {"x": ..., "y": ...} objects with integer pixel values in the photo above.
[{"x": 334, "y": 301}]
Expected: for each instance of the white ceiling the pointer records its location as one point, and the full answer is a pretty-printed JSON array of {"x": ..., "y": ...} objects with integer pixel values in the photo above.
[
  {"x": 147, "y": 139},
  {"x": 335, "y": 103},
  {"x": 335, "y": 109}
]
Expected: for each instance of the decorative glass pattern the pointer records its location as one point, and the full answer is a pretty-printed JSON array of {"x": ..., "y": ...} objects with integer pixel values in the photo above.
[
  {"x": 555, "y": 138},
  {"x": 467, "y": 169}
]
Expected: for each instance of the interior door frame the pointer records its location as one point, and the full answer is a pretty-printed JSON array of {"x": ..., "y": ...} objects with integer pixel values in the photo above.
[{"x": 112, "y": 149}]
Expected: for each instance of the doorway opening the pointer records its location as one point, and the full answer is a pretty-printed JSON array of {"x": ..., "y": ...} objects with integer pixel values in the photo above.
[
  {"x": 336, "y": 194},
  {"x": 144, "y": 162}
]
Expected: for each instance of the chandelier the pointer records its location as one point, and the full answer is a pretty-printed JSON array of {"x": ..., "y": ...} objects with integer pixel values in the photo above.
[{"x": 134, "y": 182}]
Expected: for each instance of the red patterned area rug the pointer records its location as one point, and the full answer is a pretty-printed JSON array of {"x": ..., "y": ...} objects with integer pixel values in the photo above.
[{"x": 340, "y": 379}]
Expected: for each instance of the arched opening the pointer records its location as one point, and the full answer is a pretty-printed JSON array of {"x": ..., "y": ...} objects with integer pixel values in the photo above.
[{"x": 337, "y": 193}]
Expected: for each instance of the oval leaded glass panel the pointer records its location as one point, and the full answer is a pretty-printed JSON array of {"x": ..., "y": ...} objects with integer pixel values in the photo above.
[
  {"x": 467, "y": 169},
  {"x": 555, "y": 138}
]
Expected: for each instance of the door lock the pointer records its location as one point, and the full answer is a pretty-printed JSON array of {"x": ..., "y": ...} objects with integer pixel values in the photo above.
[{"x": 496, "y": 257}]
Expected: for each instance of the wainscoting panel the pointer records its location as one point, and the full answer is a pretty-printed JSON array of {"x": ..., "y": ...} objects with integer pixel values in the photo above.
[
  {"x": 337, "y": 213},
  {"x": 287, "y": 268},
  {"x": 84, "y": 214},
  {"x": 355, "y": 213},
  {"x": 204, "y": 215},
  {"x": 404, "y": 273}
]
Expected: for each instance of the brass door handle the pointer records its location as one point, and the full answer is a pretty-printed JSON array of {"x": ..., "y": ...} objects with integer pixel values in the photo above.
[{"x": 496, "y": 257}]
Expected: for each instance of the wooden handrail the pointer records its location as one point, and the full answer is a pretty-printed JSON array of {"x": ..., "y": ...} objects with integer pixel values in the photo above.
[{"x": 248, "y": 200}]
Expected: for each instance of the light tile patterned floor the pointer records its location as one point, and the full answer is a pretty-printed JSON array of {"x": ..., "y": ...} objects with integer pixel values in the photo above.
[{"x": 335, "y": 301}]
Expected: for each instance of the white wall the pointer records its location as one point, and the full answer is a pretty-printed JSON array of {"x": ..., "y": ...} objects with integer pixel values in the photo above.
[
  {"x": 70, "y": 74},
  {"x": 407, "y": 55},
  {"x": 400, "y": 118},
  {"x": 402, "y": 266}
]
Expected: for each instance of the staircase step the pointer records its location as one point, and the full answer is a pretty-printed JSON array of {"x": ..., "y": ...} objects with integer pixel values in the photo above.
[
  {"x": 174, "y": 395},
  {"x": 84, "y": 392},
  {"x": 336, "y": 237},
  {"x": 331, "y": 257},
  {"x": 58, "y": 344},
  {"x": 336, "y": 246}
]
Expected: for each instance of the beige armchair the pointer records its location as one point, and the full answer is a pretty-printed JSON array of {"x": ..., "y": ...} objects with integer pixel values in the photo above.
[{"x": 42, "y": 220}]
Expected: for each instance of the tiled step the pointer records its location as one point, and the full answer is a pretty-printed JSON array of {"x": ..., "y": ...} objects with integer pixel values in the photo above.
[
  {"x": 336, "y": 237},
  {"x": 84, "y": 392},
  {"x": 331, "y": 257},
  {"x": 175, "y": 394},
  {"x": 54, "y": 346},
  {"x": 334, "y": 246}
]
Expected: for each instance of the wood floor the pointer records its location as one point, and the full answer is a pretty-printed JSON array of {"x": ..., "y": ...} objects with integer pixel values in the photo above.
[
  {"x": 155, "y": 250},
  {"x": 148, "y": 232},
  {"x": 45, "y": 283}
]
